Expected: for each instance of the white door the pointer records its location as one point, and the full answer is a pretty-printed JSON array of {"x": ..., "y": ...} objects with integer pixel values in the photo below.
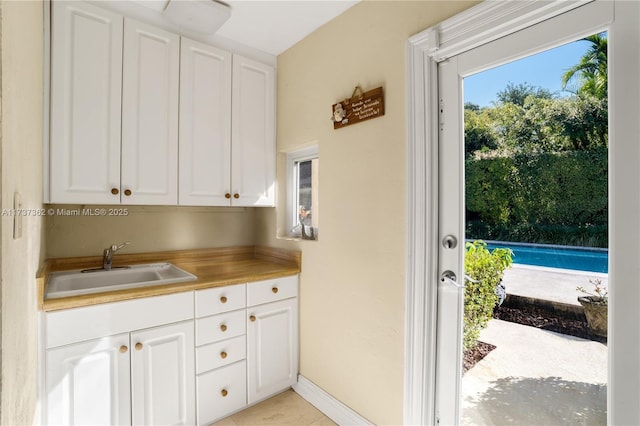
[
  {"x": 272, "y": 348},
  {"x": 150, "y": 83},
  {"x": 88, "y": 383},
  {"x": 205, "y": 125},
  {"x": 253, "y": 133},
  {"x": 163, "y": 375},
  {"x": 564, "y": 28},
  {"x": 86, "y": 75}
]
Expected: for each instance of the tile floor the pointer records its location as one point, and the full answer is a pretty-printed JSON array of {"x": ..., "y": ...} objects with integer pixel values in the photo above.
[{"x": 287, "y": 408}]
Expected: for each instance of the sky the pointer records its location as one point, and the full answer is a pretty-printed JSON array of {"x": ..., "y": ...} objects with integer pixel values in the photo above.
[{"x": 544, "y": 69}]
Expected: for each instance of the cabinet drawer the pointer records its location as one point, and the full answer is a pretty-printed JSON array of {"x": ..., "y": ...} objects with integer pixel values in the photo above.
[
  {"x": 219, "y": 354},
  {"x": 219, "y": 327},
  {"x": 271, "y": 290},
  {"x": 90, "y": 322},
  {"x": 220, "y": 299},
  {"x": 221, "y": 392}
]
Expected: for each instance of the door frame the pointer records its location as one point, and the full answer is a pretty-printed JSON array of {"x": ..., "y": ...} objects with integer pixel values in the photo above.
[{"x": 478, "y": 25}]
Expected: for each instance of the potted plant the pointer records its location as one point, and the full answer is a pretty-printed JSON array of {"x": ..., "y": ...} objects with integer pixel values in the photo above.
[{"x": 596, "y": 305}]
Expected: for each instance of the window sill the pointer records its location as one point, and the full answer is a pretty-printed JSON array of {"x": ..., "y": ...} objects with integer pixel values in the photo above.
[{"x": 293, "y": 238}]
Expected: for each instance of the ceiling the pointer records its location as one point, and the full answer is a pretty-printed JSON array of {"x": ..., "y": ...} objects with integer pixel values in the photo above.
[{"x": 271, "y": 26}]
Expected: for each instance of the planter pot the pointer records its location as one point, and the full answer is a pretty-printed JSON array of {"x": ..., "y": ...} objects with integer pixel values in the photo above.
[{"x": 595, "y": 309}]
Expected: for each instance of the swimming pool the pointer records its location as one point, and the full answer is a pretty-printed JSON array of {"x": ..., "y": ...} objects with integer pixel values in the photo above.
[{"x": 553, "y": 256}]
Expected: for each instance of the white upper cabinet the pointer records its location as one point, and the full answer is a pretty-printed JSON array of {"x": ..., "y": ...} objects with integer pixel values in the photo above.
[
  {"x": 140, "y": 116},
  {"x": 205, "y": 125},
  {"x": 86, "y": 74},
  {"x": 150, "y": 85},
  {"x": 253, "y": 133}
]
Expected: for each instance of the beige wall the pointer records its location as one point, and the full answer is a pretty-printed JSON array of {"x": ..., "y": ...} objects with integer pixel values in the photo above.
[
  {"x": 21, "y": 29},
  {"x": 352, "y": 282},
  {"x": 148, "y": 229}
]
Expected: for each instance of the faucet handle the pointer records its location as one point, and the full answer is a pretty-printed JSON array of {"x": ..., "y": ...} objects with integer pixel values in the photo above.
[{"x": 115, "y": 247}]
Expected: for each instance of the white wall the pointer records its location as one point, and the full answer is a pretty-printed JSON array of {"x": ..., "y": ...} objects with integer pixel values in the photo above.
[
  {"x": 352, "y": 281},
  {"x": 21, "y": 29}
]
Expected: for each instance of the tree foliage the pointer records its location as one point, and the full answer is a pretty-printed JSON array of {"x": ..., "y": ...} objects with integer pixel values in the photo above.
[
  {"x": 517, "y": 94},
  {"x": 540, "y": 124},
  {"x": 589, "y": 76}
]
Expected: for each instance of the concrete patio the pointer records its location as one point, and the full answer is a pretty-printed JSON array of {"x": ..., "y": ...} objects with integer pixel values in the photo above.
[{"x": 538, "y": 377}]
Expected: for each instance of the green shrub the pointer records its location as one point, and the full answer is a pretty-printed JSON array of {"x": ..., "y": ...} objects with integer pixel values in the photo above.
[
  {"x": 539, "y": 197},
  {"x": 487, "y": 268}
]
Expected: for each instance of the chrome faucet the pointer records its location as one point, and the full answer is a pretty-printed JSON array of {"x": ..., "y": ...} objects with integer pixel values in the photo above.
[{"x": 107, "y": 257}]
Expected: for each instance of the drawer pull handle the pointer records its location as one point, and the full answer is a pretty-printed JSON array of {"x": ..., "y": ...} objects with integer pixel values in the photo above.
[
  {"x": 138, "y": 346},
  {"x": 223, "y": 299},
  {"x": 223, "y": 354},
  {"x": 274, "y": 290},
  {"x": 123, "y": 349},
  {"x": 223, "y": 327},
  {"x": 252, "y": 318},
  {"x": 224, "y": 392}
]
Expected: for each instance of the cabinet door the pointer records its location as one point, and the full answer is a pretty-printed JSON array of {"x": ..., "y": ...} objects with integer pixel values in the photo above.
[
  {"x": 205, "y": 125},
  {"x": 86, "y": 75},
  {"x": 150, "y": 82},
  {"x": 88, "y": 383},
  {"x": 253, "y": 133},
  {"x": 272, "y": 348},
  {"x": 163, "y": 375}
]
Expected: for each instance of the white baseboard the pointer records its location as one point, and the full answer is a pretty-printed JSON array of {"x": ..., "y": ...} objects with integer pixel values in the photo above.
[{"x": 331, "y": 407}]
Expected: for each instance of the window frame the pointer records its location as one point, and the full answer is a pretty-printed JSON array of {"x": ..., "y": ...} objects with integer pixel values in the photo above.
[{"x": 293, "y": 158}]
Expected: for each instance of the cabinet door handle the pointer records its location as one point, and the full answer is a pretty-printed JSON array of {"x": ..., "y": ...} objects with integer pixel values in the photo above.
[
  {"x": 115, "y": 191},
  {"x": 227, "y": 195},
  {"x": 138, "y": 346},
  {"x": 236, "y": 195},
  {"x": 223, "y": 299},
  {"x": 274, "y": 290},
  {"x": 223, "y": 327},
  {"x": 223, "y": 354},
  {"x": 252, "y": 318},
  {"x": 123, "y": 349},
  {"x": 127, "y": 192},
  {"x": 224, "y": 392}
]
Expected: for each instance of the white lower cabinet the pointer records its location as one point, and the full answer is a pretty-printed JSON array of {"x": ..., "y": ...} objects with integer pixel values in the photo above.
[
  {"x": 163, "y": 375},
  {"x": 88, "y": 382},
  {"x": 171, "y": 359},
  {"x": 272, "y": 348},
  {"x": 121, "y": 363},
  {"x": 245, "y": 353}
]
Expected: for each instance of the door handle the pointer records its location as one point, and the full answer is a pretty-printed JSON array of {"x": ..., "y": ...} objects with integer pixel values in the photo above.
[{"x": 449, "y": 277}]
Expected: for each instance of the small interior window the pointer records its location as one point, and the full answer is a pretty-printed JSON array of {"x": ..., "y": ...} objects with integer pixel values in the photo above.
[{"x": 302, "y": 172}]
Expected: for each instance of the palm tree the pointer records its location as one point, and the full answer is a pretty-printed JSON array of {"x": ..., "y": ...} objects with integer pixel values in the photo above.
[{"x": 590, "y": 74}]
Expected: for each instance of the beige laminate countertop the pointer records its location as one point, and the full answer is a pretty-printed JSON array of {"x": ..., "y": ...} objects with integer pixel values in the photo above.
[{"x": 213, "y": 267}]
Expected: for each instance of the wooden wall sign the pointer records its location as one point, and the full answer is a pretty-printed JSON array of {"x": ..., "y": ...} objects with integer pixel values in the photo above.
[{"x": 357, "y": 108}]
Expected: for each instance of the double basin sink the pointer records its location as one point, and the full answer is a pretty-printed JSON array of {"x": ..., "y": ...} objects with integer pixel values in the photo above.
[{"x": 75, "y": 283}]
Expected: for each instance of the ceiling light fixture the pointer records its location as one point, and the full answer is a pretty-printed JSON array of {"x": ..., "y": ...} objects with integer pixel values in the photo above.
[{"x": 199, "y": 16}]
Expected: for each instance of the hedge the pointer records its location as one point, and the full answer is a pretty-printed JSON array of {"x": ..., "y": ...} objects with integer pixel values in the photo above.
[{"x": 547, "y": 195}]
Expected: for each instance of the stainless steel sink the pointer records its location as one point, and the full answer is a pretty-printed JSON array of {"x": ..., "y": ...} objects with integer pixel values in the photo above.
[{"x": 74, "y": 283}]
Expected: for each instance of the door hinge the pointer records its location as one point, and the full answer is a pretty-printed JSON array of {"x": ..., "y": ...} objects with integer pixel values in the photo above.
[{"x": 441, "y": 112}]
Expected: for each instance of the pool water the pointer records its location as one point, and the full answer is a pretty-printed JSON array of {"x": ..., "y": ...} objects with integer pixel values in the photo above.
[{"x": 553, "y": 256}]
